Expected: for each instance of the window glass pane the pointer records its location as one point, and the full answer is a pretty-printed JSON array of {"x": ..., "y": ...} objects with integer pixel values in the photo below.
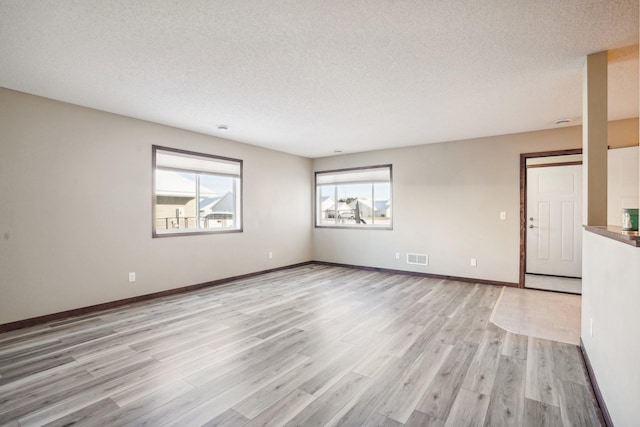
[
  {"x": 354, "y": 204},
  {"x": 195, "y": 193},
  {"x": 217, "y": 201},
  {"x": 327, "y": 204},
  {"x": 175, "y": 200},
  {"x": 354, "y": 197},
  {"x": 382, "y": 203}
]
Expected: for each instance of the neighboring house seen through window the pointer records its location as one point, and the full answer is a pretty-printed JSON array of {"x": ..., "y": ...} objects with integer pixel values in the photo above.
[
  {"x": 358, "y": 197},
  {"x": 195, "y": 193}
]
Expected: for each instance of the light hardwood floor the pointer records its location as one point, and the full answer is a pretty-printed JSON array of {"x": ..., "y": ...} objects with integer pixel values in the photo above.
[{"x": 313, "y": 345}]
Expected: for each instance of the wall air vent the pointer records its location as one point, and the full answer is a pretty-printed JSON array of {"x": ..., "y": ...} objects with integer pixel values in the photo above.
[{"x": 418, "y": 259}]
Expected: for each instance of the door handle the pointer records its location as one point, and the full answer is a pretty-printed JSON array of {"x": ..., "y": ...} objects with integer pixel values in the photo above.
[
  {"x": 530, "y": 218},
  {"x": 531, "y": 226}
]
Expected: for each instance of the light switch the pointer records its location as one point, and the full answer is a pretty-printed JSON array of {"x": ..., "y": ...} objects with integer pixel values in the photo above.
[{"x": 503, "y": 215}]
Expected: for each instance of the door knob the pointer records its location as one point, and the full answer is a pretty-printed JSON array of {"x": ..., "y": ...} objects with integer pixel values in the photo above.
[{"x": 531, "y": 226}]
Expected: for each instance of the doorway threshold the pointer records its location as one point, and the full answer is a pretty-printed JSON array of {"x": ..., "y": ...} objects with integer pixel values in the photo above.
[{"x": 553, "y": 283}]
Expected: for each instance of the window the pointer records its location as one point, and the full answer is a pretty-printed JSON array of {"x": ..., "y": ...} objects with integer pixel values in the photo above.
[
  {"x": 195, "y": 193},
  {"x": 358, "y": 197}
]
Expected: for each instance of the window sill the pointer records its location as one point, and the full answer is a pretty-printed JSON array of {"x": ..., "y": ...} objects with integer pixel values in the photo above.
[
  {"x": 355, "y": 227},
  {"x": 194, "y": 233}
]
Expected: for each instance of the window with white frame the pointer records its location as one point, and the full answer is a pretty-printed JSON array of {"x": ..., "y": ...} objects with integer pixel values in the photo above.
[
  {"x": 356, "y": 197},
  {"x": 195, "y": 193}
]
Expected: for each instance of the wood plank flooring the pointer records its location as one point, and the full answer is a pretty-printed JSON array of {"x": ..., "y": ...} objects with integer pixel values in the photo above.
[{"x": 309, "y": 346}]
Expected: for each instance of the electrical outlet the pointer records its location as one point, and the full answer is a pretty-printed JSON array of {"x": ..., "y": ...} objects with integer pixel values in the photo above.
[
  {"x": 474, "y": 263},
  {"x": 270, "y": 255},
  {"x": 397, "y": 255},
  {"x": 132, "y": 277}
]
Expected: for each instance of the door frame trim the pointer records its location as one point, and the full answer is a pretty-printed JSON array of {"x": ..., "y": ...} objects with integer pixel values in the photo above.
[{"x": 523, "y": 201}]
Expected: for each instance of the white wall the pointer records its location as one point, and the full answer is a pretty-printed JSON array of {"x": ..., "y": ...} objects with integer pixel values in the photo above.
[
  {"x": 75, "y": 216},
  {"x": 446, "y": 203},
  {"x": 610, "y": 296},
  {"x": 75, "y": 211},
  {"x": 622, "y": 182}
]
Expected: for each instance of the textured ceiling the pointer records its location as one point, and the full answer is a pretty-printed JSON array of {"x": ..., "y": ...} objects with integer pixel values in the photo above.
[{"x": 309, "y": 77}]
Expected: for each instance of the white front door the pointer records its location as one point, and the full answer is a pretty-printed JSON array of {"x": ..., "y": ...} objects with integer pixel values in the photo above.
[{"x": 554, "y": 220}]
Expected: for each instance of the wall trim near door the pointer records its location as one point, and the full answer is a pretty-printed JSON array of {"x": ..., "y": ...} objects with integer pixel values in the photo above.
[
  {"x": 523, "y": 201},
  {"x": 119, "y": 303},
  {"x": 421, "y": 274},
  {"x": 604, "y": 412},
  {"x": 548, "y": 165}
]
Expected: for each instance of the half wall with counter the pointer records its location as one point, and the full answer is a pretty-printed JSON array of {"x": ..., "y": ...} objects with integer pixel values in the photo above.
[{"x": 611, "y": 318}]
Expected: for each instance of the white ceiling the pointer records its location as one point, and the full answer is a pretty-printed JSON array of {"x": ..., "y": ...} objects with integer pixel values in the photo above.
[{"x": 309, "y": 77}]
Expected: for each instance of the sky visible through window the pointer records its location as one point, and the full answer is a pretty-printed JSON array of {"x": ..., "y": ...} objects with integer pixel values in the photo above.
[{"x": 218, "y": 184}]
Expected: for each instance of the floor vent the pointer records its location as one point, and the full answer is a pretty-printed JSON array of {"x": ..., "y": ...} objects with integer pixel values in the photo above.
[{"x": 419, "y": 259}]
